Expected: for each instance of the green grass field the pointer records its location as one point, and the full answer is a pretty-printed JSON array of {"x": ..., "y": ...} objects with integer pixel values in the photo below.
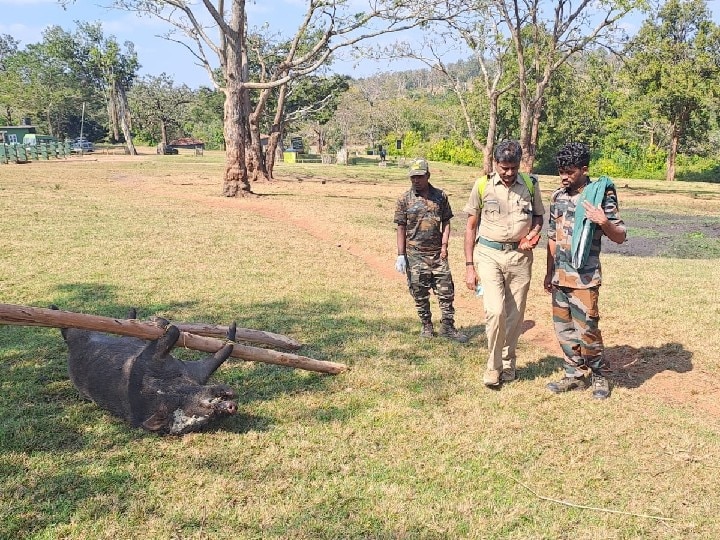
[{"x": 407, "y": 444}]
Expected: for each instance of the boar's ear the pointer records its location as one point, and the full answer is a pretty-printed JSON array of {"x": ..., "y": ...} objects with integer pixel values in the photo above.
[{"x": 166, "y": 342}]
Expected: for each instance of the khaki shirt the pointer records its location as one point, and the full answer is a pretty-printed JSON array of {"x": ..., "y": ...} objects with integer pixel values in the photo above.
[{"x": 506, "y": 214}]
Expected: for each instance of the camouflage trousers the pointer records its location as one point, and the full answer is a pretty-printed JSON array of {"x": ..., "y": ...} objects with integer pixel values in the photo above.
[
  {"x": 425, "y": 272},
  {"x": 575, "y": 318}
]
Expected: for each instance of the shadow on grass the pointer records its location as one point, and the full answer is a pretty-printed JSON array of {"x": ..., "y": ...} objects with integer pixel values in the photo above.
[
  {"x": 630, "y": 367},
  {"x": 544, "y": 367},
  {"x": 473, "y": 332},
  {"x": 711, "y": 175},
  {"x": 55, "y": 495}
]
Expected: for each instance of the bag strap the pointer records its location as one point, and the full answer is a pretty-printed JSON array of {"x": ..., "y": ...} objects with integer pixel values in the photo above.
[{"x": 525, "y": 178}]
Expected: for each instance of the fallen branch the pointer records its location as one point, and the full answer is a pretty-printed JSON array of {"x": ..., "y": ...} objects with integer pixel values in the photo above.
[
  {"x": 595, "y": 508},
  {"x": 31, "y": 316}
]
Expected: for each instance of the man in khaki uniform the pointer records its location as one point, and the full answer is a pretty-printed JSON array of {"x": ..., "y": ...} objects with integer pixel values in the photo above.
[{"x": 505, "y": 216}]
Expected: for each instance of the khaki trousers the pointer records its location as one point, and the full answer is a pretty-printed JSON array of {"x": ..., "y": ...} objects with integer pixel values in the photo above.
[{"x": 505, "y": 276}]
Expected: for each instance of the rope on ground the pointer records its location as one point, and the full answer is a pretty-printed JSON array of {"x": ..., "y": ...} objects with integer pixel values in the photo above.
[{"x": 607, "y": 510}]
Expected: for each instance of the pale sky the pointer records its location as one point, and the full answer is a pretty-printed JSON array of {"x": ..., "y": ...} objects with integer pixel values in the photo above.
[{"x": 25, "y": 20}]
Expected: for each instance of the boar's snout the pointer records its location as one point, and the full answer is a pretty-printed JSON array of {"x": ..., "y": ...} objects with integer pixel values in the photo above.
[{"x": 227, "y": 407}]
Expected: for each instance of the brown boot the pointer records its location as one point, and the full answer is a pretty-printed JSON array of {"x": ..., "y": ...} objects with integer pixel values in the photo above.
[
  {"x": 566, "y": 384},
  {"x": 491, "y": 378}
]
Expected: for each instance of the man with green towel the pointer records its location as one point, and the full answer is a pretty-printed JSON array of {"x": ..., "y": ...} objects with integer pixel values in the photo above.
[{"x": 581, "y": 212}]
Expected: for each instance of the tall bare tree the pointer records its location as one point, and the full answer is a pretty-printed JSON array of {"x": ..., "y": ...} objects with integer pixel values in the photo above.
[
  {"x": 545, "y": 35},
  {"x": 542, "y": 35},
  {"x": 490, "y": 51},
  {"x": 336, "y": 25}
]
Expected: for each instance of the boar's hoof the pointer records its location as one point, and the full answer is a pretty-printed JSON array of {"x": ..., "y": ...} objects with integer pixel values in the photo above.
[
  {"x": 160, "y": 321},
  {"x": 232, "y": 331}
]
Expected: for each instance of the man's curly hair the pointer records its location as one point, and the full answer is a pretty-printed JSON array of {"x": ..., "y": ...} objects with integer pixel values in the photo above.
[{"x": 573, "y": 154}]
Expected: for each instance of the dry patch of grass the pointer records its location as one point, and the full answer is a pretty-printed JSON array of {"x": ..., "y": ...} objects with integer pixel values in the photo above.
[{"x": 408, "y": 444}]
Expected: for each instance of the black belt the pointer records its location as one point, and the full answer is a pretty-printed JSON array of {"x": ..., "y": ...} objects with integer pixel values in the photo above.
[{"x": 502, "y": 246}]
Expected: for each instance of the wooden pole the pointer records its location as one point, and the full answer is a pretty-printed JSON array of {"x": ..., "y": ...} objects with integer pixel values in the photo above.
[
  {"x": 32, "y": 316},
  {"x": 242, "y": 334}
]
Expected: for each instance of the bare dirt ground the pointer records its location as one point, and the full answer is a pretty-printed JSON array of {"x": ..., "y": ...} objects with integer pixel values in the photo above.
[{"x": 671, "y": 379}]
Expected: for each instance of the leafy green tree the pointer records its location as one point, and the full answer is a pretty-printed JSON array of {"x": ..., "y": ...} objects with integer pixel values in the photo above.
[
  {"x": 205, "y": 117},
  {"x": 103, "y": 66},
  {"x": 35, "y": 82},
  {"x": 46, "y": 92},
  {"x": 674, "y": 66},
  {"x": 582, "y": 103},
  {"x": 158, "y": 106},
  {"x": 9, "y": 82}
]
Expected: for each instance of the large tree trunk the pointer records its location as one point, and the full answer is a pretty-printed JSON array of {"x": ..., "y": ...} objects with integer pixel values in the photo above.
[
  {"x": 526, "y": 162},
  {"x": 235, "y": 179},
  {"x": 526, "y": 108},
  {"x": 163, "y": 132},
  {"x": 272, "y": 148},
  {"x": 530, "y": 146},
  {"x": 257, "y": 166},
  {"x": 491, "y": 133},
  {"x": 112, "y": 115},
  {"x": 320, "y": 132},
  {"x": 672, "y": 152},
  {"x": 124, "y": 120},
  {"x": 276, "y": 132},
  {"x": 254, "y": 155}
]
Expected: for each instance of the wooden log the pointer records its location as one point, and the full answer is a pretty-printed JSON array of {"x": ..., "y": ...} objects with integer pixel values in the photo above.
[
  {"x": 242, "y": 334},
  {"x": 32, "y": 316}
]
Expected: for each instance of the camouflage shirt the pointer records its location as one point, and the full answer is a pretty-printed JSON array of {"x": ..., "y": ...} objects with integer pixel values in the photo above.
[
  {"x": 560, "y": 229},
  {"x": 423, "y": 219}
]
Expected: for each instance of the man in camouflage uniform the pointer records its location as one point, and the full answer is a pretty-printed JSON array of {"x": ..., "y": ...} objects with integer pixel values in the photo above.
[
  {"x": 422, "y": 215},
  {"x": 573, "y": 267}
]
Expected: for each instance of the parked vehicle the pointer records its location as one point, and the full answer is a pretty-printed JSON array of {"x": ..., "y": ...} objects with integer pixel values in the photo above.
[
  {"x": 81, "y": 144},
  {"x": 166, "y": 149}
]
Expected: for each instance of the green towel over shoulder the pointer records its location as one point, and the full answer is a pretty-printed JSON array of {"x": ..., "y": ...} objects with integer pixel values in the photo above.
[{"x": 584, "y": 229}]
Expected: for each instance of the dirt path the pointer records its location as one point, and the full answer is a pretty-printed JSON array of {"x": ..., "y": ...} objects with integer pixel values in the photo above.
[{"x": 672, "y": 379}]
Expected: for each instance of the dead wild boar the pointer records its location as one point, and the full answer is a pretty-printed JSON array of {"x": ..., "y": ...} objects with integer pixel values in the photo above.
[{"x": 142, "y": 383}]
